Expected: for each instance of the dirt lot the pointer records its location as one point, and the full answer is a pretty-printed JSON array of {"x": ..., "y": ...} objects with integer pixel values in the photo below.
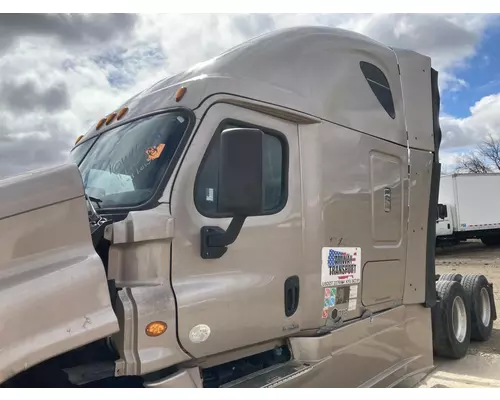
[{"x": 481, "y": 367}]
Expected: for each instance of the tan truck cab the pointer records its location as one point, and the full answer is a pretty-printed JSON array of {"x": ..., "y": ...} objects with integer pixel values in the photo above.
[{"x": 256, "y": 221}]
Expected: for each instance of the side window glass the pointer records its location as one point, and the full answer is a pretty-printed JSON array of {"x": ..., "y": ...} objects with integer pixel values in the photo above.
[
  {"x": 273, "y": 171},
  {"x": 379, "y": 86}
]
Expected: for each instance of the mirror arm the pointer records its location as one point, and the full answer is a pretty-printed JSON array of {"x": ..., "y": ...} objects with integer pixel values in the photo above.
[
  {"x": 214, "y": 240},
  {"x": 230, "y": 235}
]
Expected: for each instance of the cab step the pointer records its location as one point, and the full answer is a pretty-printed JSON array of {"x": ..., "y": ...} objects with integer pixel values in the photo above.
[{"x": 272, "y": 376}]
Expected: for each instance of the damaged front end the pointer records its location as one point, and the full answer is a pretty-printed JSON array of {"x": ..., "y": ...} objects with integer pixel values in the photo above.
[
  {"x": 92, "y": 305},
  {"x": 139, "y": 264},
  {"x": 53, "y": 286},
  {"x": 136, "y": 254},
  {"x": 78, "y": 304}
]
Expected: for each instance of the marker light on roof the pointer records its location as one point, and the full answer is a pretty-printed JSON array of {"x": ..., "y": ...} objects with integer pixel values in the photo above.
[
  {"x": 78, "y": 139},
  {"x": 100, "y": 123},
  {"x": 121, "y": 113},
  {"x": 180, "y": 93},
  {"x": 110, "y": 118}
]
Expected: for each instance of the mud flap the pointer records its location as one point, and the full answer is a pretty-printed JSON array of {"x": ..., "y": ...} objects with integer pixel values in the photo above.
[{"x": 492, "y": 302}]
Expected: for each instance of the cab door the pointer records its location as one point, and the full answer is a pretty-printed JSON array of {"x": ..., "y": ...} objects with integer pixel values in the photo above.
[
  {"x": 444, "y": 225},
  {"x": 251, "y": 294}
]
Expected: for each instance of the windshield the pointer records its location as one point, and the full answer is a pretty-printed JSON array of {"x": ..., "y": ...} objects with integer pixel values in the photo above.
[
  {"x": 81, "y": 151},
  {"x": 123, "y": 167}
]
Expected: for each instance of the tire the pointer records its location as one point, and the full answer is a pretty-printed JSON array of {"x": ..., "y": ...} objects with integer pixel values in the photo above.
[
  {"x": 491, "y": 240},
  {"x": 479, "y": 297},
  {"x": 451, "y": 277},
  {"x": 451, "y": 322}
]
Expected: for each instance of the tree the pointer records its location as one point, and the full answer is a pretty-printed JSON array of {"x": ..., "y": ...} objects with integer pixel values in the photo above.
[{"x": 482, "y": 160}]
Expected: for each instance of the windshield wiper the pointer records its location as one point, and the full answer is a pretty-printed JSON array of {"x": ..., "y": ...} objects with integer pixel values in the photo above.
[
  {"x": 95, "y": 200},
  {"x": 96, "y": 218},
  {"x": 97, "y": 223}
]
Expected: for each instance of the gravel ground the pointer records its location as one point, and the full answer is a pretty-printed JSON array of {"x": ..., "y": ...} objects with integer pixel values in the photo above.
[{"x": 481, "y": 367}]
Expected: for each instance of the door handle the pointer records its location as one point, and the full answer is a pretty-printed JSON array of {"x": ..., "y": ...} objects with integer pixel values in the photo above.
[{"x": 292, "y": 292}]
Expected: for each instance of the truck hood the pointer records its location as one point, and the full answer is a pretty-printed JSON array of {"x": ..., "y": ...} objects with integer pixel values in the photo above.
[
  {"x": 53, "y": 287},
  {"x": 37, "y": 189}
]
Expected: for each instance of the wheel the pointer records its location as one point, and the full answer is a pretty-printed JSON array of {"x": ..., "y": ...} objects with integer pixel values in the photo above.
[
  {"x": 451, "y": 277},
  {"x": 479, "y": 297},
  {"x": 451, "y": 323},
  {"x": 491, "y": 240}
]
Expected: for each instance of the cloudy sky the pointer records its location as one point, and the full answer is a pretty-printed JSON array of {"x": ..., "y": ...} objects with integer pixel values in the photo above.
[{"x": 59, "y": 74}]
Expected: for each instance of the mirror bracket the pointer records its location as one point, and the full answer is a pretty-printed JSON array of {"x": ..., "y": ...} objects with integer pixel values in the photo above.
[{"x": 214, "y": 240}]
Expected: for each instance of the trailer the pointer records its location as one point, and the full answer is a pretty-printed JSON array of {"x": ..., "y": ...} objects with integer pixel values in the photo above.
[
  {"x": 469, "y": 208},
  {"x": 254, "y": 221}
]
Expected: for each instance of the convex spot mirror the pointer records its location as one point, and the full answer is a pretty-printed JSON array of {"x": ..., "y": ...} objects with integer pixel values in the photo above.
[{"x": 241, "y": 191}]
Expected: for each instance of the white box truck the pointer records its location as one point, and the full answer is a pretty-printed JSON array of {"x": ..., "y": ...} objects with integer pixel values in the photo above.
[{"x": 469, "y": 208}]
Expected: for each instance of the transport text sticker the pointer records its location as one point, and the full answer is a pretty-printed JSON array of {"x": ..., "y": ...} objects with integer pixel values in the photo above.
[{"x": 340, "y": 266}]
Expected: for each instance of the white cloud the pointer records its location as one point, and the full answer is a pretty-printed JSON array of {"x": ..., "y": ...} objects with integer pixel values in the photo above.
[
  {"x": 463, "y": 133},
  {"x": 451, "y": 83},
  {"x": 60, "y": 74}
]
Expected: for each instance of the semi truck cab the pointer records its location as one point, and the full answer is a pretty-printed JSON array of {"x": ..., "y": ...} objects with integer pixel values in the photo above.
[
  {"x": 444, "y": 222},
  {"x": 255, "y": 221},
  {"x": 468, "y": 209}
]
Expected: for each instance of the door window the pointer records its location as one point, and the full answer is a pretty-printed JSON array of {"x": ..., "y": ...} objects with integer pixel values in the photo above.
[{"x": 274, "y": 171}]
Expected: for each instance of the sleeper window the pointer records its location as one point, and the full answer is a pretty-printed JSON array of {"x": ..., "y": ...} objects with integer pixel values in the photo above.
[
  {"x": 273, "y": 171},
  {"x": 379, "y": 86}
]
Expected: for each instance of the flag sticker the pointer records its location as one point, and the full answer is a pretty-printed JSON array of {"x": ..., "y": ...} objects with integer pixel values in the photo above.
[{"x": 341, "y": 266}]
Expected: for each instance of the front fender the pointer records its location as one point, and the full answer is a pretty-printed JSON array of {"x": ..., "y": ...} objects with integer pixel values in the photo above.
[{"x": 53, "y": 288}]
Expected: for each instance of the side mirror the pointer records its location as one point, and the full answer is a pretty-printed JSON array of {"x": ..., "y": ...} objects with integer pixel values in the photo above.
[
  {"x": 240, "y": 188},
  {"x": 241, "y": 191},
  {"x": 442, "y": 211}
]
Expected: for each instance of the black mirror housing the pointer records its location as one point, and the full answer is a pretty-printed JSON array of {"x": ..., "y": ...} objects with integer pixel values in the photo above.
[
  {"x": 241, "y": 189},
  {"x": 442, "y": 211}
]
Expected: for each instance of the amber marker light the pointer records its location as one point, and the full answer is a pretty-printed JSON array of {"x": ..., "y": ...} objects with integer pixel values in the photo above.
[
  {"x": 156, "y": 328},
  {"x": 78, "y": 139},
  {"x": 180, "y": 94},
  {"x": 110, "y": 118},
  {"x": 100, "y": 123},
  {"x": 121, "y": 113}
]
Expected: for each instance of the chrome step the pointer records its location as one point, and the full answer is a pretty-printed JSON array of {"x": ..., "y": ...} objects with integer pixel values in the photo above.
[{"x": 272, "y": 376}]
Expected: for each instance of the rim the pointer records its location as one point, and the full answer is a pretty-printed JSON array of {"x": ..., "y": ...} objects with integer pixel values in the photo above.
[
  {"x": 459, "y": 319},
  {"x": 485, "y": 307}
]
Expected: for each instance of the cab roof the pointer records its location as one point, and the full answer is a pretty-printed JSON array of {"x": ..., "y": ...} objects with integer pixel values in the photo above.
[{"x": 314, "y": 70}]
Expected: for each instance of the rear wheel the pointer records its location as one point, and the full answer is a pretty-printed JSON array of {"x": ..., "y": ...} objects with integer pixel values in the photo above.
[
  {"x": 479, "y": 298},
  {"x": 451, "y": 277},
  {"x": 451, "y": 323},
  {"x": 491, "y": 240}
]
